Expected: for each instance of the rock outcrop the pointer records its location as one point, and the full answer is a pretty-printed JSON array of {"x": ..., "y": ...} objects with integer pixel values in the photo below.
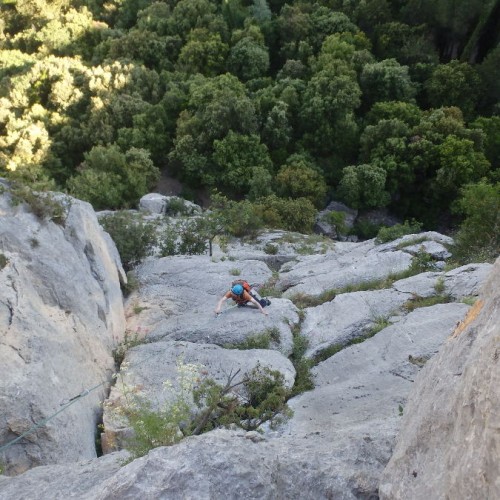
[
  {"x": 366, "y": 347},
  {"x": 61, "y": 314},
  {"x": 449, "y": 444}
]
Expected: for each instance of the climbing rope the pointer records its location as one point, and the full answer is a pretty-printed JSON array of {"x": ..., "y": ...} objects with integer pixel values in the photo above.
[{"x": 43, "y": 422}]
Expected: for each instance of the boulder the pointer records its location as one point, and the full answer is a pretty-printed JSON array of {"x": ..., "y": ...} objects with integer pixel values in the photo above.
[
  {"x": 347, "y": 317},
  {"x": 324, "y": 226},
  {"x": 156, "y": 203},
  {"x": 354, "y": 263}
]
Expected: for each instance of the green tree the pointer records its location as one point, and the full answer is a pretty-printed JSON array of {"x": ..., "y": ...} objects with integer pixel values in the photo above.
[
  {"x": 292, "y": 215},
  {"x": 135, "y": 238},
  {"x": 299, "y": 178},
  {"x": 215, "y": 107},
  {"x": 363, "y": 186},
  {"x": 248, "y": 59},
  {"x": 459, "y": 164},
  {"x": 478, "y": 237},
  {"x": 386, "y": 81},
  {"x": 453, "y": 84},
  {"x": 109, "y": 178},
  {"x": 204, "y": 52},
  {"x": 234, "y": 158},
  {"x": 329, "y": 101},
  {"x": 491, "y": 130}
]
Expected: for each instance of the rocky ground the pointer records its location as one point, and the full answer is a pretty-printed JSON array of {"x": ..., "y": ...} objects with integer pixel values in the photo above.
[{"x": 368, "y": 339}]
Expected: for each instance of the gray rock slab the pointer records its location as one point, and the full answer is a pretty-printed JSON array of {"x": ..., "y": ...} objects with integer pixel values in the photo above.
[
  {"x": 365, "y": 383},
  {"x": 433, "y": 248},
  {"x": 61, "y": 314},
  {"x": 219, "y": 464},
  {"x": 148, "y": 367},
  {"x": 58, "y": 482},
  {"x": 177, "y": 297},
  {"x": 449, "y": 443},
  {"x": 464, "y": 281},
  {"x": 418, "y": 238},
  {"x": 348, "y": 316},
  {"x": 363, "y": 263}
]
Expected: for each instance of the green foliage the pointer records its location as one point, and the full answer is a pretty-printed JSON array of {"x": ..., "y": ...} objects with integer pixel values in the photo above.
[
  {"x": 342, "y": 83},
  {"x": 3, "y": 261},
  {"x": 386, "y": 81},
  {"x": 187, "y": 236},
  {"x": 270, "y": 248},
  {"x": 43, "y": 205},
  {"x": 261, "y": 340},
  {"x": 363, "y": 186},
  {"x": 112, "y": 179},
  {"x": 235, "y": 157},
  {"x": 289, "y": 214},
  {"x": 134, "y": 238},
  {"x": 299, "y": 179},
  {"x": 303, "y": 376},
  {"x": 365, "y": 229},
  {"x": 131, "y": 339},
  {"x": 248, "y": 59},
  {"x": 394, "y": 232},
  {"x": 478, "y": 238},
  {"x": 337, "y": 219},
  {"x": 416, "y": 302},
  {"x": 453, "y": 84}
]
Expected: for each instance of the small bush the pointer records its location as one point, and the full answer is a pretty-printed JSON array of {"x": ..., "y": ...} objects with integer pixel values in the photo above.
[
  {"x": 386, "y": 234},
  {"x": 365, "y": 229},
  {"x": 134, "y": 238},
  {"x": 418, "y": 302},
  {"x": 258, "y": 341},
  {"x": 271, "y": 249},
  {"x": 3, "y": 261},
  {"x": 288, "y": 214},
  {"x": 337, "y": 219},
  {"x": 177, "y": 206},
  {"x": 43, "y": 205},
  {"x": 235, "y": 272},
  {"x": 303, "y": 377},
  {"x": 184, "y": 237},
  {"x": 130, "y": 340},
  {"x": 259, "y": 397},
  {"x": 478, "y": 239}
]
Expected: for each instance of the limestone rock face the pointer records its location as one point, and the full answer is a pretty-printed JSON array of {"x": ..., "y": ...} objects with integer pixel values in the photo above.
[
  {"x": 150, "y": 366},
  {"x": 343, "y": 430},
  {"x": 449, "y": 444},
  {"x": 61, "y": 314}
]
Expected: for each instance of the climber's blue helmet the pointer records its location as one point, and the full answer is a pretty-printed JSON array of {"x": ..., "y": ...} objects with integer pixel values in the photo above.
[{"x": 237, "y": 289}]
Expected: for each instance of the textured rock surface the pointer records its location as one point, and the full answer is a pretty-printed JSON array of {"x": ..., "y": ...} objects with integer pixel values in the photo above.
[
  {"x": 178, "y": 296},
  {"x": 342, "y": 433},
  {"x": 348, "y": 316},
  {"x": 61, "y": 314},
  {"x": 352, "y": 263},
  {"x": 149, "y": 366},
  {"x": 449, "y": 444}
]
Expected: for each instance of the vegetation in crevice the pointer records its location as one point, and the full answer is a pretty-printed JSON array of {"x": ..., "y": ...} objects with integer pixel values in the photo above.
[
  {"x": 303, "y": 377},
  {"x": 199, "y": 404},
  {"x": 379, "y": 324},
  {"x": 420, "y": 263},
  {"x": 262, "y": 340}
]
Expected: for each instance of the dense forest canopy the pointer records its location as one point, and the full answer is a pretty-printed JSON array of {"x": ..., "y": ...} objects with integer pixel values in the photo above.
[{"x": 376, "y": 103}]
